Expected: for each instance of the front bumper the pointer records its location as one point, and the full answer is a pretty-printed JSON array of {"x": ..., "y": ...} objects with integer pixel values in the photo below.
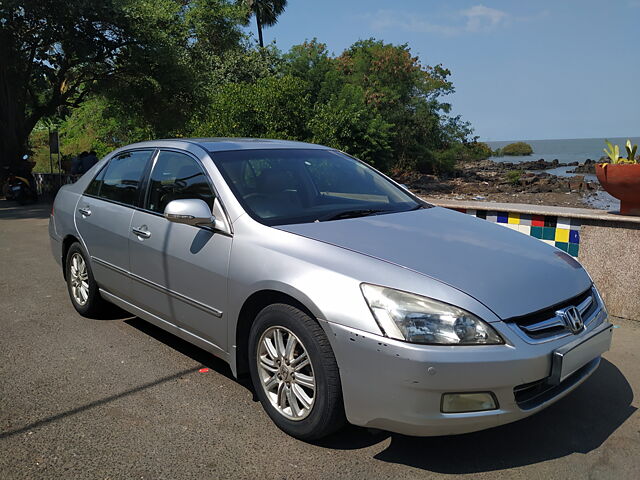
[{"x": 398, "y": 386}]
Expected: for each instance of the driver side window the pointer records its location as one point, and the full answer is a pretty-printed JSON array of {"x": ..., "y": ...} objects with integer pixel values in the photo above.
[{"x": 177, "y": 176}]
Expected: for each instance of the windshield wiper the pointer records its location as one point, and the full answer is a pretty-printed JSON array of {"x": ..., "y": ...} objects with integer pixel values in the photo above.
[{"x": 353, "y": 214}]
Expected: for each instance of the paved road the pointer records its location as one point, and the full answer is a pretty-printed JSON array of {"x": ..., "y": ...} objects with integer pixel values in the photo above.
[{"x": 118, "y": 398}]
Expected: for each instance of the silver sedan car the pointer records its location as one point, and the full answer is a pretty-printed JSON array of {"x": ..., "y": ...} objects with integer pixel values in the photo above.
[{"x": 344, "y": 296}]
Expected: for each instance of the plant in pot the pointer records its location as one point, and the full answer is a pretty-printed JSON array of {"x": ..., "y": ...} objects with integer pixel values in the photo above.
[{"x": 621, "y": 177}]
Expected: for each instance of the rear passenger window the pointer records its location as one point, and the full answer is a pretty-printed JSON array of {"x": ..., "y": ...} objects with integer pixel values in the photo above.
[
  {"x": 177, "y": 176},
  {"x": 123, "y": 176},
  {"x": 96, "y": 183}
]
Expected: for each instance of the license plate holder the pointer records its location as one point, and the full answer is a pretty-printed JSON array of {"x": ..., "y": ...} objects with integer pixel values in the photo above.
[{"x": 571, "y": 357}]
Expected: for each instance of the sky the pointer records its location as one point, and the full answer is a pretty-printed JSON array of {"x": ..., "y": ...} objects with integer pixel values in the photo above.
[{"x": 522, "y": 70}]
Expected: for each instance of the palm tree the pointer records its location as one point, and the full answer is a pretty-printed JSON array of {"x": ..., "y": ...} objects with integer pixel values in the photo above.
[{"x": 266, "y": 12}]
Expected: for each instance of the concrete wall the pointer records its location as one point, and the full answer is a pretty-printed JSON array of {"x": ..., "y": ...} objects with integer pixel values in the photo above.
[{"x": 611, "y": 254}]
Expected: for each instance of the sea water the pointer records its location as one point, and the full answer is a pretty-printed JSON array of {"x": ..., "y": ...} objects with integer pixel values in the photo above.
[{"x": 566, "y": 151}]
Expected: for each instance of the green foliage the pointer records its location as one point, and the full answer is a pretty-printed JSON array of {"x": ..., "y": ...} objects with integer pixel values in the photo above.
[
  {"x": 95, "y": 125},
  {"x": 375, "y": 101},
  {"x": 144, "y": 54},
  {"x": 266, "y": 13},
  {"x": 477, "y": 151},
  {"x": 631, "y": 152},
  {"x": 516, "y": 149},
  {"x": 514, "y": 176},
  {"x": 272, "y": 107},
  {"x": 613, "y": 153},
  {"x": 163, "y": 68},
  {"x": 347, "y": 123}
]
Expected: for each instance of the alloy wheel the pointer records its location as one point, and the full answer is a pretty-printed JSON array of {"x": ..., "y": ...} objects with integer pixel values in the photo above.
[
  {"x": 79, "y": 279},
  {"x": 286, "y": 373}
]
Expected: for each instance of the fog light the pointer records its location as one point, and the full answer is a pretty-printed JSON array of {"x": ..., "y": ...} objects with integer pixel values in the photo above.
[{"x": 468, "y": 402}]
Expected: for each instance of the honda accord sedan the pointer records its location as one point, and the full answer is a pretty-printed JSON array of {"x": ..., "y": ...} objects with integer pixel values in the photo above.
[{"x": 344, "y": 296}]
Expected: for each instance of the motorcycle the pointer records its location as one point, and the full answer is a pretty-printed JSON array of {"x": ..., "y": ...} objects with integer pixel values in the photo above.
[{"x": 21, "y": 188}]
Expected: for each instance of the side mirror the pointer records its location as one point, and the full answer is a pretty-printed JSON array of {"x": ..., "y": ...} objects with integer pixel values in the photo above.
[{"x": 191, "y": 211}]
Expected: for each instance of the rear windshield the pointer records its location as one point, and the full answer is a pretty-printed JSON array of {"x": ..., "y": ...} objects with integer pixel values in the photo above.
[{"x": 278, "y": 187}]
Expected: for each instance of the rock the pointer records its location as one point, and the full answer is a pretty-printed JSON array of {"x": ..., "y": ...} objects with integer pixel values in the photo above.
[{"x": 589, "y": 166}]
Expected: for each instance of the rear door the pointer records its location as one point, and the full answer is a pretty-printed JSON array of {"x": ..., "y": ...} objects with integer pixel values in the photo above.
[
  {"x": 180, "y": 271},
  {"x": 103, "y": 218}
]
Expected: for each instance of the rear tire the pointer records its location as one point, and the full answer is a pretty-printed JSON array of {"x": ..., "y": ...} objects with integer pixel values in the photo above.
[
  {"x": 82, "y": 287},
  {"x": 304, "y": 399}
]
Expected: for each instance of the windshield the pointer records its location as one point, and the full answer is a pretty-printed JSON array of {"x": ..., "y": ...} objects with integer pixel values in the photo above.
[{"x": 278, "y": 187}]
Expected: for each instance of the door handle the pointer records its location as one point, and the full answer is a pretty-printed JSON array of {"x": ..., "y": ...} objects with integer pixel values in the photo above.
[
  {"x": 141, "y": 233},
  {"x": 85, "y": 211}
]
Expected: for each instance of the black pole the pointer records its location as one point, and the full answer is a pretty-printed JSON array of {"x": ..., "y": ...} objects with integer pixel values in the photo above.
[{"x": 50, "y": 156}]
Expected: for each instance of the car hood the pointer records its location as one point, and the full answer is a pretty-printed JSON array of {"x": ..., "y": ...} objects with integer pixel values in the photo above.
[{"x": 511, "y": 273}]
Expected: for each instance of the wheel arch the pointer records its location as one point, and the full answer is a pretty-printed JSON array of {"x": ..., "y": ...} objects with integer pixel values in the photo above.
[
  {"x": 66, "y": 245},
  {"x": 248, "y": 312}
]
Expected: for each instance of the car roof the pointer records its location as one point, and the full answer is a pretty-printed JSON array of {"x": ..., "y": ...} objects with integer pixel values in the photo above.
[{"x": 221, "y": 144}]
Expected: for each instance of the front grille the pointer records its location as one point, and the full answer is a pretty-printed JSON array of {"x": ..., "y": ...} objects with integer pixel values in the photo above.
[
  {"x": 545, "y": 324},
  {"x": 534, "y": 394}
]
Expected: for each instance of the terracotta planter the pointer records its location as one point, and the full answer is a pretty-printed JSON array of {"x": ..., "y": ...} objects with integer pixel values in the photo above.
[{"x": 623, "y": 182}]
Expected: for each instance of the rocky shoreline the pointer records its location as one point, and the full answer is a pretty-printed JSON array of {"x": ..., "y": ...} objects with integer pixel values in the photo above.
[{"x": 526, "y": 182}]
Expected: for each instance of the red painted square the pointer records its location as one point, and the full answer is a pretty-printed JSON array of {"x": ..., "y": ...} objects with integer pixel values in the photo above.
[{"x": 537, "y": 220}]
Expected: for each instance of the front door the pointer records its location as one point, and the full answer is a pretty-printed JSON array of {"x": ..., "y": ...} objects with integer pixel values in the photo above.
[
  {"x": 103, "y": 218},
  {"x": 180, "y": 271}
]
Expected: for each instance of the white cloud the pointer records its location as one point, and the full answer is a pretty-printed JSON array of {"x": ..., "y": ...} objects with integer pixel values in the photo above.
[
  {"x": 388, "y": 19},
  {"x": 481, "y": 18},
  {"x": 477, "y": 18}
]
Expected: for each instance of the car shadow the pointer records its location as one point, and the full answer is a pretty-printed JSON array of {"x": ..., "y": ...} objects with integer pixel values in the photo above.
[
  {"x": 10, "y": 210},
  {"x": 188, "y": 349}
]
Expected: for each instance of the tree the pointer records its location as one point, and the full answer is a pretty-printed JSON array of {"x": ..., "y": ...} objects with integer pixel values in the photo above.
[
  {"x": 266, "y": 12},
  {"x": 408, "y": 95},
  {"x": 346, "y": 122},
  {"x": 272, "y": 107},
  {"x": 56, "y": 53}
]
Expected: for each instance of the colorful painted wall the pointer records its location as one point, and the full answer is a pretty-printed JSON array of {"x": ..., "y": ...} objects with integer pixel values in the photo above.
[{"x": 561, "y": 232}]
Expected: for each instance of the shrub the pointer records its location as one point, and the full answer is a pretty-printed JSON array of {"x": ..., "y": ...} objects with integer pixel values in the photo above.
[
  {"x": 445, "y": 161},
  {"x": 517, "y": 149},
  {"x": 514, "y": 176}
]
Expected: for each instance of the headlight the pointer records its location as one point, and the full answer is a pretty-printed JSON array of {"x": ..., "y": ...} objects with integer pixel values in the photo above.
[{"x": 417, "y": 319}]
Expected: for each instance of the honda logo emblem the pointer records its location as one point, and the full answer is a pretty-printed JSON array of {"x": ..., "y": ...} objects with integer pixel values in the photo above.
[{"x": 572, "y": 319}]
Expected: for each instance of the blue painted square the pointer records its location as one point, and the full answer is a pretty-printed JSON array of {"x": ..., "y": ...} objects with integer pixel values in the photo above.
[
  {"x": 503, "y": 217},
  {"x": 574, "y": 236}
]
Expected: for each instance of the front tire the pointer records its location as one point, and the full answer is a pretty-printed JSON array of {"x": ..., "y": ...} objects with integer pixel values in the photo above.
[
  {"x": 294, "y": 373},
  {"x": 82, "y": 287}
]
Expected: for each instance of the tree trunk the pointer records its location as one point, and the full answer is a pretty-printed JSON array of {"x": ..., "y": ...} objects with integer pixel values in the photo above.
[
  {"x": 259, "y": 28},
  {"x": 14, "y": 132}
]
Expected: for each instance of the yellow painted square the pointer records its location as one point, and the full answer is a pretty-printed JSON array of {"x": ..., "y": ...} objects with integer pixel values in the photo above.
[
  {"x": 562, "y": 235},
  {"x": 514, "y": 218}
]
